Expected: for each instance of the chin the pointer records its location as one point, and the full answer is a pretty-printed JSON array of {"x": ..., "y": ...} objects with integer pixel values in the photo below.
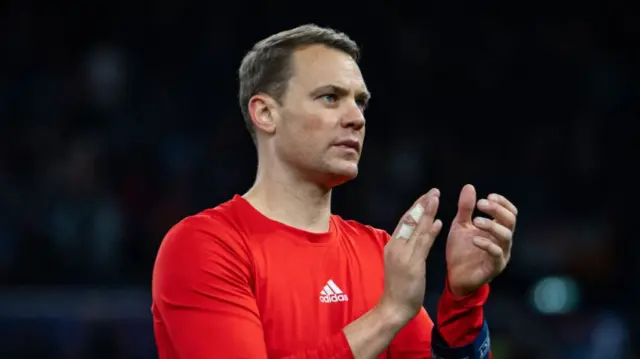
[{"x": 341, "y": 173}]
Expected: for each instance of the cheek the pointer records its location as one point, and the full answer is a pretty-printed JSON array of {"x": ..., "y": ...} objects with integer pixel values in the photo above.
[
  {"x": 306, "y": 131},
  {"x": 313, "y": 125},
  {"x": 311, "y": 130}
]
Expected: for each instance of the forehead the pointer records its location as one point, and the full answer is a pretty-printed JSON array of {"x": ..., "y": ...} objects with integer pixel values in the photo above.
[{"x": 318, "y": 65}]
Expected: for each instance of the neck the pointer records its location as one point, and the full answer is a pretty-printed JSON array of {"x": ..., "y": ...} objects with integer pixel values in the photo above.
[{"x": 284, "y": 196}]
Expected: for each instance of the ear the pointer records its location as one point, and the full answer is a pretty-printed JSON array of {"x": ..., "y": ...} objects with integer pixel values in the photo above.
[{"x": 263, "y": 112}]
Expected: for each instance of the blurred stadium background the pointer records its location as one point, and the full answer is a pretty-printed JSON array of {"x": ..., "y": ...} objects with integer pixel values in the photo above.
[{"x": 119, "y": 118}]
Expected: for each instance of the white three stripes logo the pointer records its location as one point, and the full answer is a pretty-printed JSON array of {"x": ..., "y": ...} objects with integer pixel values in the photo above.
[
  {"x": 331, "y": 288},
  {"x": 331, "y": 293}
]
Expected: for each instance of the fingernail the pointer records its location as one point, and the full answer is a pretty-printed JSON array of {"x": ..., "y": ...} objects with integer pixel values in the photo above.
[
  {"x": 480, "y": 220},
  {"x": 494, "y": 197},
  {"x": 483, "y": 203},
  {"x": 416, "y": 212}
]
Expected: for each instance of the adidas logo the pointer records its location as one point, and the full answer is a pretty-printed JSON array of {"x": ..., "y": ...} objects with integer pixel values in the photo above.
[{"x": 332, "y": 294}]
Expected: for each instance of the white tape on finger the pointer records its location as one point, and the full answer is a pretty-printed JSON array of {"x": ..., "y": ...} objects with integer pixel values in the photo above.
[
  {"x": 416, "y": 212},
  {"x": 405, "y": 232}
]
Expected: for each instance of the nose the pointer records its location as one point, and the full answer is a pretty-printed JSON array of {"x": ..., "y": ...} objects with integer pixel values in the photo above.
[{"x": 353, "y": 118}]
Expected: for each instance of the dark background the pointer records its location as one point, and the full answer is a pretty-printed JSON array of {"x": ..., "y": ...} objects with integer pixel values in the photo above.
[{"x": 118, "y": 119}]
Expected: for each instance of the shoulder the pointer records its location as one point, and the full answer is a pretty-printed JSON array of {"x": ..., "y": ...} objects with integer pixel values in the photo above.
[
  {"x": 209, "y": 235},
  {"x": 215, "y": 221},
  {"x": 354, "y": 228},
  {"x": 201, "y": 254},
  {"x": 211, "y": 223},
  {"x": 223, "y": 221}
]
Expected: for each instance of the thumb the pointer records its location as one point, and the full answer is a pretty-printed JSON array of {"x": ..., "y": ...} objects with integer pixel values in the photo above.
[{"x": 466, "y": 204}]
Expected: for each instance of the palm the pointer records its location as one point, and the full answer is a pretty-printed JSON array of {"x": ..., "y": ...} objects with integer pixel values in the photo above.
[
  {"x": 468, "y": 266},
  {"x": 478, "y": 251}
]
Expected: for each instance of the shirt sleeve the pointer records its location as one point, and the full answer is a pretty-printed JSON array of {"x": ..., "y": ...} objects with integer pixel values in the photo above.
[
  {"x": 460, "y": 331},
  {"x": 414, "y": 340},
  {"x": 202, "y": 295}
]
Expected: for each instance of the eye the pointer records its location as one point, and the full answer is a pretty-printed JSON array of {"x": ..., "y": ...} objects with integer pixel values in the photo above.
[
  {"x": 329, "y": 98},
  {"x": 362, "y": 104}
]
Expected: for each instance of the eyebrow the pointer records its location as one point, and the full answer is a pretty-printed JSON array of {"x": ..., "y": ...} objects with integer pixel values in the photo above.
[{"x": 340, "y": 91}]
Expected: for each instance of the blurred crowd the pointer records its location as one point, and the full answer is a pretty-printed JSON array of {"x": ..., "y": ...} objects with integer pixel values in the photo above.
[{"x": 118, "y": 119}]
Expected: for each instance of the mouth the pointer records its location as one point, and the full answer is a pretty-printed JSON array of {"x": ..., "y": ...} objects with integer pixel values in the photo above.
[{"x": 349, "y": 144}]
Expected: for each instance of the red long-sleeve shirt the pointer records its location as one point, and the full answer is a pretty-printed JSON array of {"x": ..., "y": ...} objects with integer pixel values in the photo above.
[{"x": 231, "y": 283}]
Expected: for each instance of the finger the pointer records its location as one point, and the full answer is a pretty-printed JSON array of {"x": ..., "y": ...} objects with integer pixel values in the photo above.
[
  {"x": 424, "y": 217},
  {"x": 493, "y": 249},
  {"x": 425, "y": 237},
  {"x": 504, "y": 202},
  {"x": 433, "y": 192},
  {"x": 466, "y": 204},
  {"x": 410, "y": 219},
  {"x": 498, "y": 212},
  {"x": 502, "y": 234},
  {"x": 427, "y": 229}
]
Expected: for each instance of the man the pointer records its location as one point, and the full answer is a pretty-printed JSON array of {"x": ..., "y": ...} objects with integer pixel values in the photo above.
[{"x": 273, "y": 274}]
